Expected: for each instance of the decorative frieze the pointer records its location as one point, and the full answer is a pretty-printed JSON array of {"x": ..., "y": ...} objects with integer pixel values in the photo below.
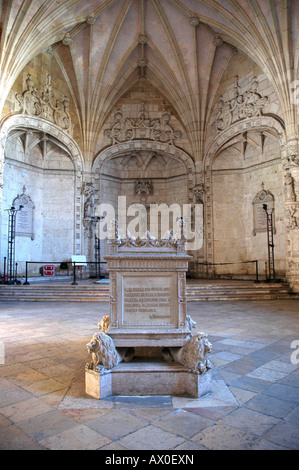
[
  {"x": 242, "y": 106},
  {"x": 44, "y": 104},
  {"x": 129, "y": 128},
  {"x": 291, "y": 215}
]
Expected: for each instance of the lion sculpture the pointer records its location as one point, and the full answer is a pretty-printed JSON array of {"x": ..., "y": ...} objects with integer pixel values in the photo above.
[
  {"x": 193, "y": 354},
  {"x": 104, "y": 324},
  {"x": 190, "y": 323},
  {"x": 103, "y": 352}
]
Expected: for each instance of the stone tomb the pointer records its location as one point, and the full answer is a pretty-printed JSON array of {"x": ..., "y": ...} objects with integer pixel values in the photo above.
[{"x": 145, "y": 345}]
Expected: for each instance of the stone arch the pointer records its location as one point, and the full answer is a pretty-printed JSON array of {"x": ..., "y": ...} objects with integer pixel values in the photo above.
[
  {"x": 137, "y": 145},
  {"x": 223, "y": 140},
  {"x": 260, "y": 123},
  {"x": 16, "y": 121},
  {"x": 143, "y": 150},
  {"x": 20, "y": 120}
]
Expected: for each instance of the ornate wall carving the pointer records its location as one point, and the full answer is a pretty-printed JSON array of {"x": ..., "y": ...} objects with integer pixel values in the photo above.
[
  {"x": 124, "y": 129},
  {"x": 44, "y": 104},
  {"x": 242, "y": 106}
]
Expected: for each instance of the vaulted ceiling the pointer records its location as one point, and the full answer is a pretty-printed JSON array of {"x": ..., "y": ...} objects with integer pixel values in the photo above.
[{"x": 182, "y": 47}]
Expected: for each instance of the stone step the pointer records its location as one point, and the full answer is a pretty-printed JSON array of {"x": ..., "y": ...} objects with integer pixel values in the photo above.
[{"x": 100, "y": 293}]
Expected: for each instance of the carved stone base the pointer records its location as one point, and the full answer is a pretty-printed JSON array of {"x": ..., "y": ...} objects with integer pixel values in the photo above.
[{"x": 142, "y": 378}]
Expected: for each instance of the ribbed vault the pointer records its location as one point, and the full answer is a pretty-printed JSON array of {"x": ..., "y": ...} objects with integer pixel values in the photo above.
[{"x": 182, "y": 47}]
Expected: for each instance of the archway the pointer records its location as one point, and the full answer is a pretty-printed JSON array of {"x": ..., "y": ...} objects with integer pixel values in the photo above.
[
  {"x": 143, "y": 173},
  {"x": 242, "y": 163},
  {"x": 44, "y": 164}
]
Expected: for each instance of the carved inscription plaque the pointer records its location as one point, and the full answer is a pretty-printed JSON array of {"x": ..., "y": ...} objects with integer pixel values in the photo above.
[
  {"x": 147, "y": 301},
  {"x": 259, "y": 214},
  {"x": 24, "y": 218},
  {"x": 24, "y": 221}
]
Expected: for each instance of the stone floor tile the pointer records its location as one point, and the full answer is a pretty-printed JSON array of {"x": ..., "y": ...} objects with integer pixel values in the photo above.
[
  {"x": 252, "y": 384},
  {"x": 249, "y": 421},
  {"x": 84, "y": 416},
  {"x": 4, "y": 421},
  {"x": 80, "y": 437},
  {"x": 269, "y": 375},
  {"x": 13, "y": 438},
  {"x": 183, "y": 423},
  {"x": 44, "y": 387},
  {"x": 242, "y": 396},
  {"x": 113, "y": 446},
  {"x": 26, "y": 409},
  {"x": 234, "y": 342},
  {"x": 188, "y": 445},
  {"x": 46, "y": 425},
  {"x": 55, "y": 398},
  {"x": 228, "y": 376},
  {"x": 213, "y": 413},
  {"x": 268, "y": 445},
  {"x": 13, "y": 394},
  {"x": 285, "y": 434},
  {"x": 59, "y": 370},
  {"x": 27, "y": 377},
  {"x": 291, "y": 379},
  {"x": 140, "y": 402},
  {"x": 226, "y": 356},
  {"x": 151, "y": 414},
  {"x": 6, "y": 384},
  {"x": 293, "y": 415},
  {"x": 270, "y": 406},
  {"x": 116, "y": 424},
  {"x": 282, "y": 391},
  {"x": 264, "y": 354},
  {"x": 223, "y": 437},
  {"x": 240, "y": 367},
  {"x": 151, "y": 438}
]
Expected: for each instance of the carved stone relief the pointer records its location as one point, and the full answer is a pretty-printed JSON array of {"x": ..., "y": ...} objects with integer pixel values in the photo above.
[
  {"x": 199, "y": 191},
  {"x": 44, "y": 104},
  {"x": 292, "y": 222},
  {"x": 241, "y": 106},
  {"x": 88, "y": 192},
  {"x": 143, "y": 187},
  {"x": 289, "y": 188},
  {"x": 129, "y": 128}
]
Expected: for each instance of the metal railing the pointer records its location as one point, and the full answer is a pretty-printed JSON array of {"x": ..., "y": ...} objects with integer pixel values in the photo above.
[
  {"x": 73, "y": 263},
  {"x": 99, "y": 263},
  {"x": 237, "y": 262}
]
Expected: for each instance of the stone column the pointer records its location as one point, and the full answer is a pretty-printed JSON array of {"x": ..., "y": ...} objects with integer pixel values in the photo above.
[{"x": 291, "y": 187}]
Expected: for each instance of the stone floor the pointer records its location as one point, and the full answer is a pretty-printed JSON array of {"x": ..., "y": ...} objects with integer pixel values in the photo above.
[{"x": 254, "y": 403}]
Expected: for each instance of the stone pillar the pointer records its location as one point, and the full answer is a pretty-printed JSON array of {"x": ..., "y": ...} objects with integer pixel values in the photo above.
[{"x": 291, "y": 187}]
